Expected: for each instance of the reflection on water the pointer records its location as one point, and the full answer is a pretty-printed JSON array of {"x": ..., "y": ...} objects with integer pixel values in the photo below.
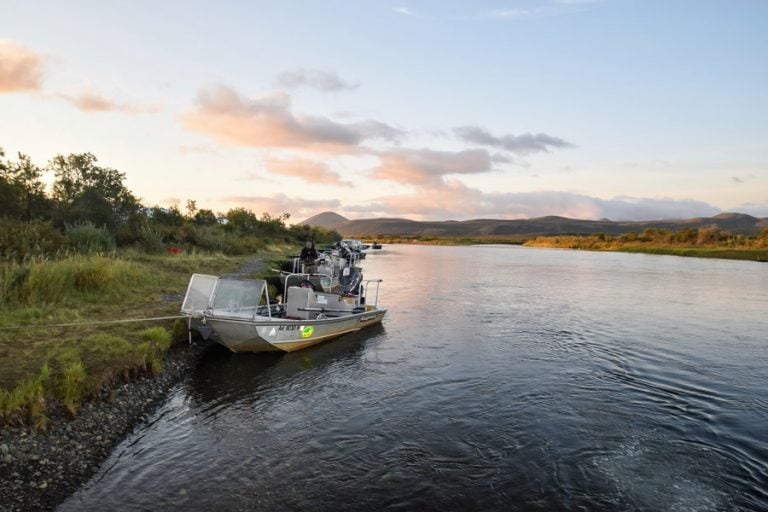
[{"x": 503, "y": 378}]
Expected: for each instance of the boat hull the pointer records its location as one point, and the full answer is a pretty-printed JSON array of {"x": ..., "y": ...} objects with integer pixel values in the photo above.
[{"x": 280, "y": 335}]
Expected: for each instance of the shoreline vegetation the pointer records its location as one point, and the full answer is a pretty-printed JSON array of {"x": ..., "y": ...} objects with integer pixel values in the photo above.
[
  {"x": 86, "y": 250},
  {"x": 708, "y": 242},
  {"x": 73, "y": 259}
]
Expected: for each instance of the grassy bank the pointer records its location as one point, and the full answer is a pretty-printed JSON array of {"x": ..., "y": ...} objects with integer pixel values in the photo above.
[
  {"x": 715, "y": 245},
  {"x": 704, "y": 243},
  {"x": 47, "y": 370}
]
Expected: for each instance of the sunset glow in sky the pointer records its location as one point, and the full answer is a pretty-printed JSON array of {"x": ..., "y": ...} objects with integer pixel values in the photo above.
[{"x": 429, "y": 110}]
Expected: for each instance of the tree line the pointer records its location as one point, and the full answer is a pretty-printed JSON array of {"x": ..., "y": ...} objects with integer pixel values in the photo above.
[{"x": 89, "y": 207}]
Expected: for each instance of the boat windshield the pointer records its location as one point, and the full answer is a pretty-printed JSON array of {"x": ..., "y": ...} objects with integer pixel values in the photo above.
[
  {"x": 237, "y": 297},
  {"x": 199, "y": 293}
]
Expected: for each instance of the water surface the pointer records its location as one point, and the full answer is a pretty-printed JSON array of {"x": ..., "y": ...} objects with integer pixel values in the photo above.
[{"x": 502, "y": 378}]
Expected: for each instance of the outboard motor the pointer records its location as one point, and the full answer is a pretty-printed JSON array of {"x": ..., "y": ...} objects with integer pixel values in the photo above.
[{"x": 350, "y": 280}]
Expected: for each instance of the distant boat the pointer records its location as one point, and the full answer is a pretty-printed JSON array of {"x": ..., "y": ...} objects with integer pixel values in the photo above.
[{"x": 238, "y": 314}]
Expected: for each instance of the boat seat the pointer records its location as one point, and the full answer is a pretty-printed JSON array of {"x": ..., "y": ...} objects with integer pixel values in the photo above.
[{"x": 299, "y": 298}]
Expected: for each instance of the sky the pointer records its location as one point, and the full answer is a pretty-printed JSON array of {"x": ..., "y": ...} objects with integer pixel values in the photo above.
[{"x": 427, "y": 110}]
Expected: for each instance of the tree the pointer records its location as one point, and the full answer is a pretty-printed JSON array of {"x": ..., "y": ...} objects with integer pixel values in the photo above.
[
  {"x": 82, "y": 189},
  {"x": 22, "y": 192},
  {"x": 205, "y": 217},
  {"x": 242, "y": 220},
  {"x": 191, "y": 208},
  {"x": 170, "y": 216}
]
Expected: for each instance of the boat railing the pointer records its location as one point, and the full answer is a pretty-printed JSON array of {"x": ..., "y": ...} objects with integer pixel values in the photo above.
[
  {"x": 364, "y": 292},
  {"x": 299, "y": 277}
]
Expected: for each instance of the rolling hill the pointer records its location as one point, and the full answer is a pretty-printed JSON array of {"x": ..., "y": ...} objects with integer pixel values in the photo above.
[{"x": 738, "y": 223}]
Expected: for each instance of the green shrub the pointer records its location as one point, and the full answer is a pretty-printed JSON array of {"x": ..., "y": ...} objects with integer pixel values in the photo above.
[
  {"x": 245, "y": 244},
  {"x": 150, "y": 240},
  {"x": 88, "y": 238},
  {"x": 20, "y": 240},
  {"x": 210, "y": 238}
]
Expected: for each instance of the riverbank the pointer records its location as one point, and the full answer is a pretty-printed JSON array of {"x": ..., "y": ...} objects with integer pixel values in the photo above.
[
  {"x": 697, "y": 243},
  {"x": 664, "y": 243},
  {"x": 40, "y": 470}
]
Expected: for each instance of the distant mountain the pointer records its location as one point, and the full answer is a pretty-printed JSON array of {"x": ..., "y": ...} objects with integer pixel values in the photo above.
[
  {"x": 737, "y": 223},
  {"x": 327, "y": 220}
]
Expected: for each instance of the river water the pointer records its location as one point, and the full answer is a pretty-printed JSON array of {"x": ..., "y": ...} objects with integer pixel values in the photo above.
[{"x": 502, "y": 378}]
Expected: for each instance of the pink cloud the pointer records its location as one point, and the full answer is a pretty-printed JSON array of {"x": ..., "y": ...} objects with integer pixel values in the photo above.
[
  {"x": 298, "y": 207},
  {"x": 427, "y": 167},
  {"x": 227, "y": 116},
  {"x": 308, "y": 170},
  {"x": 20, "y": 68},
  {"x": 454, "y": 200},
  {"x": 89, "y": 101}
]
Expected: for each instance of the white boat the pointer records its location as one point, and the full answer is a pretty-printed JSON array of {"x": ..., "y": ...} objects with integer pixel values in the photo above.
[{"x": 238, "y": 314}]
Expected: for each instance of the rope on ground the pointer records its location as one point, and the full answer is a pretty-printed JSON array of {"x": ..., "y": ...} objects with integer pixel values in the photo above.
[{"x": 97, "y": 322}]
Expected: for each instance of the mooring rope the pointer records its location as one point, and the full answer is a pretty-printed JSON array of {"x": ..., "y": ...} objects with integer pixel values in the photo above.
[{"x": 96, "y": 322}]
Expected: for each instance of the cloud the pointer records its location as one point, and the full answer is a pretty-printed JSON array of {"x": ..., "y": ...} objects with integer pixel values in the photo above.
[
  {"x": 196, "y": 149},
  {"x": 89, "y": 101},
  {"x": 512, "y": 13},
  {"x": 20, "y": 68},
  {"x": 225, "y": 115},
  {"x": 579, "y": 2},
  {"x": 454, "y": 200},
  {"x": 524, "y": 144},
  {"x": 427, "y": 167},
  {"x": 298, "y": 207},
  {"x": 754, "y": 209},
  {"x": 557, "y": 8},
  {"x": 327, "y": 81},
  {"x": 404, "y": 10},
  {"x": 308, "y": 170}
]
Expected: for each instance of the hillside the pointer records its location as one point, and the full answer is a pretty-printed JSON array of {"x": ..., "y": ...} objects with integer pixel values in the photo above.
[{"x": 737, "y": 223}]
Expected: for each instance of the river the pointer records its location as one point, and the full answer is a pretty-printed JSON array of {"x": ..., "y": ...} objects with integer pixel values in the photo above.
[{"x": 502, "y": 378}]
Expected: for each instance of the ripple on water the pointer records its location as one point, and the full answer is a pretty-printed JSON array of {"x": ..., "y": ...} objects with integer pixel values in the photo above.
[{"x": 543, "y": 380}]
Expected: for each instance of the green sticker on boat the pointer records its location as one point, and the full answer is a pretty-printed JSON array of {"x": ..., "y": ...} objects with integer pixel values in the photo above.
[{"x": 307, "y": 331}]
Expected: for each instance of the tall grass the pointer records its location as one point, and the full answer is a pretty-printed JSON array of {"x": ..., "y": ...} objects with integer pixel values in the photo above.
[
  {"x": 25, "y": 404},
  {"x": 156, "y": 342},
  {"x": 38, "y": 282},
  {"x": 80, "y": 369},
  {"x": 73, "y": 385},
  {"x": 83, "y": 359}
]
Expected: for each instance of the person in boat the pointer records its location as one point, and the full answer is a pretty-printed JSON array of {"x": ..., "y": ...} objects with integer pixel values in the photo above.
[
  {"x": 308, "y": 257},
  {"x": 344, "y": 251}
]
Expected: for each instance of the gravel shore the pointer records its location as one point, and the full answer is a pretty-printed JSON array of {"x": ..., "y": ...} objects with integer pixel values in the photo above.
[{"x": 38, "y": 471}]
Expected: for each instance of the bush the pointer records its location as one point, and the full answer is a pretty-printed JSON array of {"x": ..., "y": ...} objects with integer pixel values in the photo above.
[
  {"x": 210, "y": 238},
  {"x": 88, "y": 238},
  {"x": 245, "y": 244},
  {"x": 150, "y": 240},
  {"x": 19, "y": 240}
]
